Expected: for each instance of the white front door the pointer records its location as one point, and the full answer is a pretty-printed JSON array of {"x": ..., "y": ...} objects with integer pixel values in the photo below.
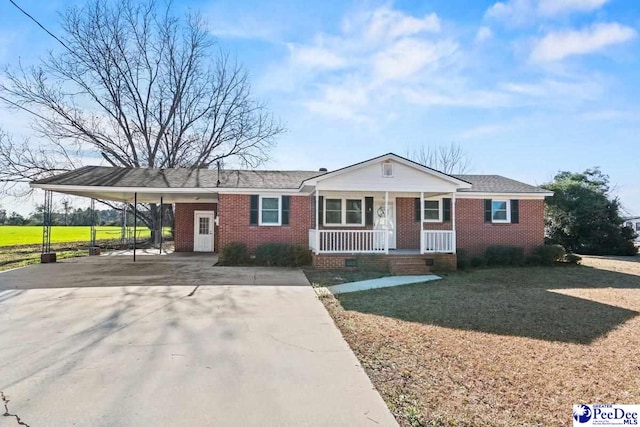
[
  {"x": 203, "y": 231},
  {"x": 385, "y": 220}
]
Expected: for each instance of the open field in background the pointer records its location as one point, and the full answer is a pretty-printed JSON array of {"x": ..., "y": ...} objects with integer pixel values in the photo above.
[
  {"x": 500, "y": 347},
  {"x": 32, "y": 234},
  {"x": 21, "y": 245}
]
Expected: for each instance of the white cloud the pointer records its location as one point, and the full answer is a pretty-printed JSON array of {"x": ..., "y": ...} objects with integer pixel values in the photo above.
[
  {"x": 408, "y": 56},
  {"x": 483, "y": 34},
  {"x": 469, "y": 98},
  {"x": 556, "y": 46},
  {"x": 555, "y": 7},
  {"x": 316, "y": 57},
  {"x": 387, "y": 23},
  {"x": 482, "y": 131},
  {"x": 519, "y": 12}
]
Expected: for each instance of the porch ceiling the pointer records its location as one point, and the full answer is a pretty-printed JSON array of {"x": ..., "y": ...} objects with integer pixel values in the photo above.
[{"x": 144, "y": 196}]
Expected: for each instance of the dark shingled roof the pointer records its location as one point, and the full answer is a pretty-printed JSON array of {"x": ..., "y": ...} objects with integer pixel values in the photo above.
[
  {"x": 101, "y": 176},
  {"x": 497, "y": 184}
]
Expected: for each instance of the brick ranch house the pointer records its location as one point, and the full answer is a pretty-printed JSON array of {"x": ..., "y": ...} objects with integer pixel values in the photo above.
[{"x": 384, "y": 210}]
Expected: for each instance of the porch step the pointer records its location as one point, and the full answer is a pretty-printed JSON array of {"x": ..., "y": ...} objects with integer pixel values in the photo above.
[{"x": 409, "y": 265}]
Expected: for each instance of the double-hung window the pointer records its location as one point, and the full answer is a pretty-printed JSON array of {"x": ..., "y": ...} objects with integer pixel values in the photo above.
[
  {"x": 270, "y": 213},
  {"x": 432, "y": 211},
  {"x": 500, "y": 211},
  {"x": 354, "y": 212},
  {"x": 343, "y": 212},
  {"x": 333, "y": 211}
]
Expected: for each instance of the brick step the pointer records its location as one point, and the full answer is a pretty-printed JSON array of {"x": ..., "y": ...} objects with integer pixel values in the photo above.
[
  {"x": 412, "y": 261},
  {"x": 410, "y": 271}
]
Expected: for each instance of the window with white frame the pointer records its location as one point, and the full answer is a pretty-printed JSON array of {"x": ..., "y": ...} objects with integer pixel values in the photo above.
[
  {"x": 353, "y": 211},
  {"x": 343, "y": 212},
  {"x": 500, "y": 211},
  {"x": 432, "y": 210},
  {"x": 333, "y": 211},
  {"x": 270, "y": 212}
]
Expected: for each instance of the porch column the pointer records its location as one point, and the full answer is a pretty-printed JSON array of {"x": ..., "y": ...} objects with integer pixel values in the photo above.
[
  {"x": 135, "y": 223},
  {"x": 453, "y": 221},
  {"x": 421, "y": 222},
  {"x": 317, "y": 244},
  {"x": 161, "y": 218},
  {"x": 386, "y": 222}
]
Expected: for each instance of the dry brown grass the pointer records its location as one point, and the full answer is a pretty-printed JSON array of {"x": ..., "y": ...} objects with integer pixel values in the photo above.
[{"x": 500, "y": 347}]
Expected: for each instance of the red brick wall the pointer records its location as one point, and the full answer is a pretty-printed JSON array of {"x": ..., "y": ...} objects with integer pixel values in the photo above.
[
  {"x": 408, "y": 229},
  {"x": 183, "y": 225},
  {"x": 233, "y": 210},
  {"x": 474, "y": 235}
]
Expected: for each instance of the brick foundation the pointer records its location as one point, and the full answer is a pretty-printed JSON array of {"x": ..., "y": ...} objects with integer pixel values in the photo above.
[{"x": 383, "y": 262}]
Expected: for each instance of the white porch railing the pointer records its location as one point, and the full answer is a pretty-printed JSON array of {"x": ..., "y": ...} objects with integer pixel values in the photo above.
[
  {"x": 437, "y": 241},
  {"x": 348, "y": 241}
]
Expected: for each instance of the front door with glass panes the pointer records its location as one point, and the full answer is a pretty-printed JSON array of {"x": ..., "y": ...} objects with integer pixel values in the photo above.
[
  {"x": 203, "y": 231},
  {"x": 384, "y": 218}
]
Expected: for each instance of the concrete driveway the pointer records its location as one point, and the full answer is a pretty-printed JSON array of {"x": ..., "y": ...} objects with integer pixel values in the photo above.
[{"x": 88, "y": 343}]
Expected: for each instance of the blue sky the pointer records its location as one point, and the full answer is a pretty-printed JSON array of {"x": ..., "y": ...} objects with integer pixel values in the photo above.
[{"x": 525, "y": 87}]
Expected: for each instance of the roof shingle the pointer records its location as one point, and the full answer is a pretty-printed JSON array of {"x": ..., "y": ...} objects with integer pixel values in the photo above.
[{"x": 102, "y": 176}]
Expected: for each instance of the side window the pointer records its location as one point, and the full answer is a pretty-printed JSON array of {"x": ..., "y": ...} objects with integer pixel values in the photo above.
[
  {"x": 270, "y": 210},
  {"x": 500, "y": 211}
]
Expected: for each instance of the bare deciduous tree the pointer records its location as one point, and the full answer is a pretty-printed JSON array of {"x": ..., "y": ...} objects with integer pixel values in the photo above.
[
  {"x": 450, "y": 159},
  {"x": 138, "y": 87}
]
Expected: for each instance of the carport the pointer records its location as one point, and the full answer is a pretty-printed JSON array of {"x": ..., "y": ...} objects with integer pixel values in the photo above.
[{"x": 131, "y": 186}]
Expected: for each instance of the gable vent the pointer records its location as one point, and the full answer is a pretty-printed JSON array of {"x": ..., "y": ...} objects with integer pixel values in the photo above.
[{"x": 387, "y": 169}]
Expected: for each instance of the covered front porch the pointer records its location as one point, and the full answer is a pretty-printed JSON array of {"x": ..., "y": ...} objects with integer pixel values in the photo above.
[{"x": 402, "y": 223}]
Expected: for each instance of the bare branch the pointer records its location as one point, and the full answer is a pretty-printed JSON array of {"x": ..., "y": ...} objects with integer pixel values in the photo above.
[
  {"x": 450, "y": 159},
  {"x": 138, "y": 87}
]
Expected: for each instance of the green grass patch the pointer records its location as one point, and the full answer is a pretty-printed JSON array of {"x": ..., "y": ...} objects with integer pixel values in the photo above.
[
  {"x": 11, "y": 258},
  {"x": 32, "y": 234}
]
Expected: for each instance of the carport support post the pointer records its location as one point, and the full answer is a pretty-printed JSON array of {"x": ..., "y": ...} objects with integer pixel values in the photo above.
[
  {"x": 135, "y": 223},
  {"x": 161, "y": 228}
]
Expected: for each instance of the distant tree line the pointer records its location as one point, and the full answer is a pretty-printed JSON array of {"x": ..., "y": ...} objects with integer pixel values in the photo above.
[{"x": 70, "y": 216}]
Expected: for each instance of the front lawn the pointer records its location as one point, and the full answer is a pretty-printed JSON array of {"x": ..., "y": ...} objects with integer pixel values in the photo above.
[{"x": 499, "y": 347}]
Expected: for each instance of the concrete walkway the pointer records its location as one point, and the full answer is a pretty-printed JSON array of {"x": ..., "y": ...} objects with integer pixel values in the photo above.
[
  {"x": 383, "y": 282},
  {"x": 167, "y": 355}
]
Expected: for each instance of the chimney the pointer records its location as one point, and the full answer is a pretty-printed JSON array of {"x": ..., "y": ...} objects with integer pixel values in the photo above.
[{"x": 322, "y": 169}]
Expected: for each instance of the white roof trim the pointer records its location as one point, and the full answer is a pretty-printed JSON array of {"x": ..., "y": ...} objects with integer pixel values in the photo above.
[
  {"x": 481, "y": 195},
  {"x": 460, "y": 183}
]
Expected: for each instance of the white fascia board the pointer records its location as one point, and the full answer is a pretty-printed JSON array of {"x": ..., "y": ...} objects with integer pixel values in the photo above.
[
  {"x": 282, "y": 191},
  {"x": 521, "y": 196}
]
